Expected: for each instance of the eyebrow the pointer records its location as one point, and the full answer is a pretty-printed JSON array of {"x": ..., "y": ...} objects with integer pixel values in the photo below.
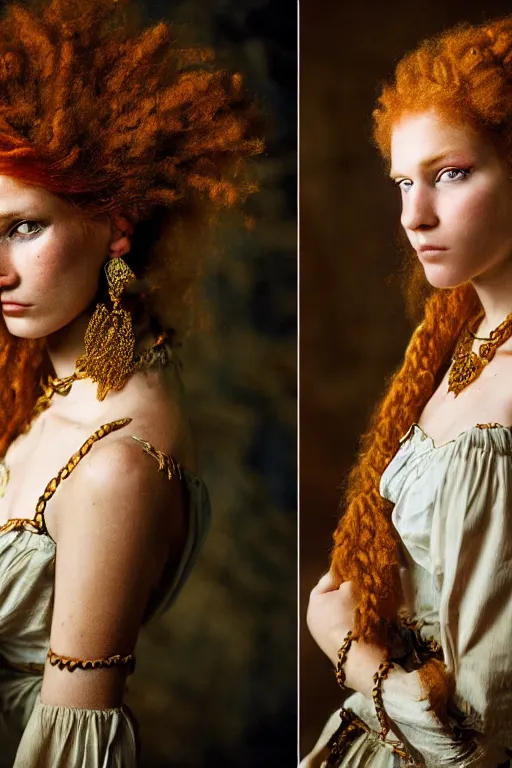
[
  {"x": 430, "y": 161},
  {"x": 17, "y": 215}
]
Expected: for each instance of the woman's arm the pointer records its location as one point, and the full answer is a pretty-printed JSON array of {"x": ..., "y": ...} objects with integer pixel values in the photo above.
[
  {"x": 113, "y": 540},
  {"x": 406, "y": 704},
  {"x": 330, "y": 616},
  {"x": 471, "y": 560}
]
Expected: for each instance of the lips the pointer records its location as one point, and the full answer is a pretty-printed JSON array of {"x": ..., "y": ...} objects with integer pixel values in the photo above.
[
  {"x": 431, "y": 247},
  {"x": 12, "y": 308}
]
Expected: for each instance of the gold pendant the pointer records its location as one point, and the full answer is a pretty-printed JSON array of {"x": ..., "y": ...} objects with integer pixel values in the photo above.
[
  {"x": 465, "y": 369},
  {"x": 468, "y": 365}
]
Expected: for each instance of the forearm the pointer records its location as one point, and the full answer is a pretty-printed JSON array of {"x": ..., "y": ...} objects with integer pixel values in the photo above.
[{"x": 361, "y": 663}]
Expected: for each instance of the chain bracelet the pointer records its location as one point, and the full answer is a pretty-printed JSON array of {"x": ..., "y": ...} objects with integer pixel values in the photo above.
[
  {"x": 342, "y": 657},
  {"x": 378, "y": 679},
  {"x": 397, "y": 747}
]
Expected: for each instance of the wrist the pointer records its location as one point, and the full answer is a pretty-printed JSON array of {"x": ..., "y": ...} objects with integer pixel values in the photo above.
[{"x": 361, "y": 662}]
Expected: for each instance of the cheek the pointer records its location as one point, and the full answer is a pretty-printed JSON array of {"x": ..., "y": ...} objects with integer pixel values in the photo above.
[
  {"x": 59, "y": 265},
  {"x": 482, "y": 211}
]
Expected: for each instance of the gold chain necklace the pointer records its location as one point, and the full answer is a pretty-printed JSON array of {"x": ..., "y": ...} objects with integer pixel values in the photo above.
[
  {"x": 157, "y": 352},
  {"x": 468, "y": 365}
]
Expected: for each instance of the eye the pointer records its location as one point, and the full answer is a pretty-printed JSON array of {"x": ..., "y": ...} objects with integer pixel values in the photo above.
[
  {"x": 454, "y": 174},
  {"x": 26, "y": 224},
  {"x": 403, "y": 184}
]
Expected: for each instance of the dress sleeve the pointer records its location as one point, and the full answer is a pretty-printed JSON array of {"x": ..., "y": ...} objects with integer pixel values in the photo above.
[
  {"x": 66, "y": 737},
  {"x": 471, "y": 556}
]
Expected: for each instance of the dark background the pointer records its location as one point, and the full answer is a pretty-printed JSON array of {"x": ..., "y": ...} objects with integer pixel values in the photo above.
[
  {"x": 216, "y": 677},
  {"x": 353, "y": 328}
]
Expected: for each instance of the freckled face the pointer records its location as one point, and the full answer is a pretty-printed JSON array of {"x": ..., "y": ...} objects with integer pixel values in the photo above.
[
  {"x": 48, "y": 258},
  {"x": 456, "y": 194}
]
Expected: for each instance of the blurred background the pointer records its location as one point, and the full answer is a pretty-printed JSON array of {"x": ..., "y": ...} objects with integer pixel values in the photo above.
[
  {"x": 216, "y": 677},
  {"x": 353, "y": 328}
]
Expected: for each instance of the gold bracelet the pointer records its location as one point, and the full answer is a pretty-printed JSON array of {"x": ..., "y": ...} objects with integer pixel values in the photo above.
[
  {"x": 342, "y": 657},
  {"x": 378, "y": 679},
  {"x": 66, "y": 662}
]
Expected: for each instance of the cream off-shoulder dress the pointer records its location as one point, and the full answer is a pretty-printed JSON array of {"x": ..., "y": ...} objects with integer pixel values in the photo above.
[
  {"x": 32, "y": 733},
  {"x": 453, "y": 511}
]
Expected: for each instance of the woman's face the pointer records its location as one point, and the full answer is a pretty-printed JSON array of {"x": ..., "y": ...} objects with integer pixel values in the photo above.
[
  {"x": 456, "y": 195},
  {"x": 50, "y": 259}
]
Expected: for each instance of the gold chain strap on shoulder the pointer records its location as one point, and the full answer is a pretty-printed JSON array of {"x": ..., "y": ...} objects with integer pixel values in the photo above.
[
  {"x": 166, "y": 462},
  {"x": 37, "y": 523}
]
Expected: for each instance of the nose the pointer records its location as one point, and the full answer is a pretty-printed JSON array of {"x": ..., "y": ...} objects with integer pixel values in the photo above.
[
  {"x": 419, "y": 208},
  {"x": 8, "y": 275}
]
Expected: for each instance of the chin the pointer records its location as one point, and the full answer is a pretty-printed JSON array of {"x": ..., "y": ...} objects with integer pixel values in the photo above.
[
  {"x": 22, "y": 334},
  {"x": 442, "y": 278},
  {"x": 22, "y": 329}
]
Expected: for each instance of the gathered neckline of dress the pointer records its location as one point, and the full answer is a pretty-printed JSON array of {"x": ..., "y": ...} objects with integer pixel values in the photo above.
[
  {"x": 418, "y": 454},
  {"x": 416, "y": 429}
]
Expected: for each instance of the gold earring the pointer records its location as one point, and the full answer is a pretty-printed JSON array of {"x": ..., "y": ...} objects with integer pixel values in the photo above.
[{"x": 110, "y": 338}]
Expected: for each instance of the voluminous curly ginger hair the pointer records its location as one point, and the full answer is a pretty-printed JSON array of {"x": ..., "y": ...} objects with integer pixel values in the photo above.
[
  {"x": 113, "y": 115},
  {"x": 465, "y": 74}
]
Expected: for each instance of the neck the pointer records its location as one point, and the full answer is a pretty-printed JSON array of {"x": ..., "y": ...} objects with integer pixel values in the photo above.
[
  {"x": 66, "y": 345},
  {"x": 494, "y": 289}
]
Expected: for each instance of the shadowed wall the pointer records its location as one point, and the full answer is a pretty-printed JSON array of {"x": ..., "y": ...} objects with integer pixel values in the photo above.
[
  {"x": 216, "y": 676},
  {"x": 353, "y": 326}
]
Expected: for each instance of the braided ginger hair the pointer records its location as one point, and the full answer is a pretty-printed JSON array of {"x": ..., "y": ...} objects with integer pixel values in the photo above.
[
  {"x": 114, "y": 116},
  {"x": 465, "y": 74}
]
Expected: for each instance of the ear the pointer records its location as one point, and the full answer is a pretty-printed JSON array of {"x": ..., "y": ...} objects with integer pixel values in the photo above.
[{"x": 122, "y": 230}]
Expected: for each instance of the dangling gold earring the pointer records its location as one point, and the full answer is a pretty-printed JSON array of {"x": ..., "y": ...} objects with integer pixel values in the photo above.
[{"x": 110, "y": 338}]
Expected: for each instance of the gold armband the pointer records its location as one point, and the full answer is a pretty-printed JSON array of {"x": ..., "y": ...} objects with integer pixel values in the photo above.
[{"x": 66, "y": 662}]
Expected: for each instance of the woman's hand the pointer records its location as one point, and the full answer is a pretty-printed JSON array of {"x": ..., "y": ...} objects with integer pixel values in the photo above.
[
  {"x": 330, "y": 614},
  {"x": 329, "y": 617}
]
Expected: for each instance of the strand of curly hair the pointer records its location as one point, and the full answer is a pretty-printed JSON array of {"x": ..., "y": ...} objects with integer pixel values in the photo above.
[
  {"x": 476, "y": 63},
  {"x": 116, "y": 116}
]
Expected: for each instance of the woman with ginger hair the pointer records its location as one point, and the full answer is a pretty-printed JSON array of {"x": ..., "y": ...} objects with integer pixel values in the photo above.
[
  {"x": 115, "y": 146},
  {"x": 416, "y": 610}
]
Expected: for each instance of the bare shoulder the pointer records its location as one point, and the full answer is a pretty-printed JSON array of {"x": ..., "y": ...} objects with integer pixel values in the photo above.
[
  {"x": 118, "y": 481},
  {"x": 118, "y": 471},
  {"x": 119, "y": 464},
  {"x": 158, "y": 415},
  {"x": 119, "y": 501}
]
